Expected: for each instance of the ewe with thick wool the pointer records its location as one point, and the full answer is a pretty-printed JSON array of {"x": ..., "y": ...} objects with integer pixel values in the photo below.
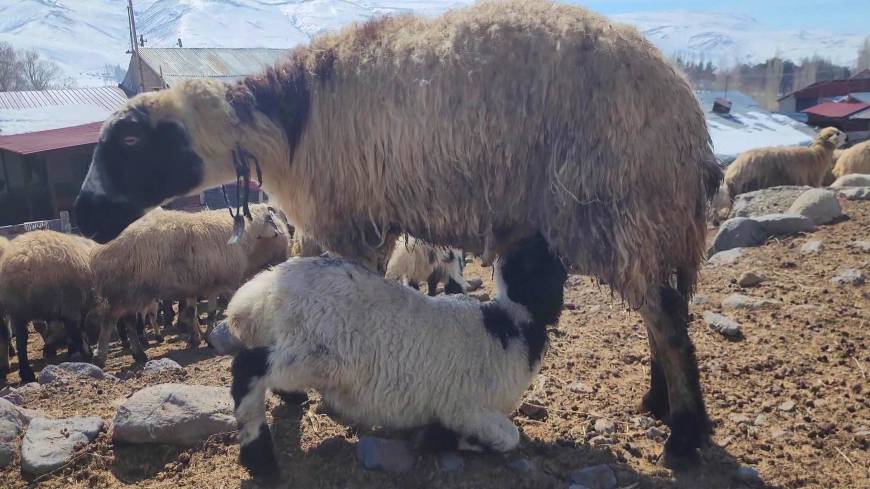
[
  {"x": 409, "y": 361},
  {"x": 413, "y": 261},
  {"x": 853, "y": 160},
  {"x": 769, "y": 167},
  {"x": 476, "y": 130},
  {"x": 180, "y": 254},
  {"x": 46, "y": 275}
]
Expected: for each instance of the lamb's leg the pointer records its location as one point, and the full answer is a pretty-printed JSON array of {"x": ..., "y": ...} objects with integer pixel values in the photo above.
[
  {"x": 249, "y": 369},
  {"x": 666, "y": 314},
  {"x": 136, "y": 350},
  {"x": 488, "y": 429},
  {"x": 24, "y": 370}
]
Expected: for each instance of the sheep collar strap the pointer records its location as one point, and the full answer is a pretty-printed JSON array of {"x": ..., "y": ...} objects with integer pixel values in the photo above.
[{"x": 241, "y": 162}]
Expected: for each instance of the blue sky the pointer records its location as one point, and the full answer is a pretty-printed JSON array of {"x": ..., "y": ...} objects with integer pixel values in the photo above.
[{"x": 830, "y": 15}]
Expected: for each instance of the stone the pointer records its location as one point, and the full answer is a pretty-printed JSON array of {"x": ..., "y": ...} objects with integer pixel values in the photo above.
[
  {"x": 522, "y": 465},
  {"x": 856, "y": 193},
  {"x": 819, "y": 205},
  {"x": 50, "y": 443},
  {"x": 861, "y": 246},
  {"x": 750, "y": 279},
  {"x": 772, "y": 200},
  {"x": 223, "y": 340},
  {"x": 473, "y": 283},
  {"x": 383, "y": 454},
  {"x": 69, "y": 370},
  {"x": 655, "y": 433},
  {"x": 161, "y": 365},
  {"x": 739, "y": 232},
  {"x": 760, "y": 420},
  {"x": 700, "y": 300},
  {"x": 740, "y": 301},
  {"x": 580, "y": 388},
  {"x": 787, "y": 406},
  {"x": 785, "y": 224},
  {"x": 812, "y": 247},
  {"x": 450, "y": 461},
  {"x": 722, "y": 324},
  {"x": 577, "y": 486},
  {"x": 175, "y": 414},
  {"x": 747, "y": 474},
  {"x": 600, "y": 441},
  {"x": 727, "y": 257},
  {"x": 12, "y": 423},
  {"x": 604, "y": 426},
  {"x": 532, "y": 410},
  {"x": 849, "y": 276},
  {"x": 595, "y": 477},
  {"x": 852, "y": 180}
]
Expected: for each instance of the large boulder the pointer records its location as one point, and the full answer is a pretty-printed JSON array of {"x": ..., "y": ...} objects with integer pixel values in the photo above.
[
  {"x": 175, "y": 414},
  {"x": 50, "y": 443},
  {"x": 727, "y": 257},
  {"x": 819, "y": 205},
  {"x": 71, "y": 370},
  {"x": 785, "y": 224},
  {"x": 739, "y": 232},
  {"x": 853, "y": 180},
  {"x": 384, "y": 454},
  {"x": 856, "y": 193},
  {"x": 223, "y": 340},
  {"x": 773, "y": 200},
  {"x": 12, "y": 423}
]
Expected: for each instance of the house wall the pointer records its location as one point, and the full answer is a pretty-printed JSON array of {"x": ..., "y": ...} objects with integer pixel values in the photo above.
[
  {"x": 132, "y": 84},
  {"x": 787, "y": 105}
]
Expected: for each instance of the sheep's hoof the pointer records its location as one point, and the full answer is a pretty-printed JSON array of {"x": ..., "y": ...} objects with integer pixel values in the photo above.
[
  {"x": 49, "y": 354},
  {"x": 27, "y": 376},
  {"x": 292, "y": 398},
  {"x": 158, "y": 338},
  {"x": 259, "y": 459},
  {"x": 655, "y": 404},
  {"x": 140, "y": 357},
  {"x": 689, "y": 432}
]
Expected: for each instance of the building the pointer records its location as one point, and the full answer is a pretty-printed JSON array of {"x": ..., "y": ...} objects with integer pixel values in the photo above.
[
  {"x": 826, "y": 91},
  {"x": 46, "y": 142},
  {"x": 850, "y": 117},
  {"x": 163, "y": 67}
]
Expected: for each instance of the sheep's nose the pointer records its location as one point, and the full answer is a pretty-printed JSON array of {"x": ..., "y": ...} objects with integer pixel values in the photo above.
[{"x": 102, "y": 218}]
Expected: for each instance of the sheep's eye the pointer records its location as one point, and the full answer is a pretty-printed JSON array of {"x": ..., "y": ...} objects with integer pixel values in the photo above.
[{"x": 130, "y": 141}]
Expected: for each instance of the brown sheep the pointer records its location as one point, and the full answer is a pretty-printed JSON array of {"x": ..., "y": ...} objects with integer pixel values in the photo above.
[
  {"x": 475, "y": 129},
  {"x": 769, "y": 167},
  {"x": 180, "y": 254},
  {"x": 854, "y": 160},
  {"x": 47, "y": 275}
]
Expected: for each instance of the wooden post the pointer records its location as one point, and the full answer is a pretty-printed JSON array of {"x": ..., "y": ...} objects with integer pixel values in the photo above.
[{"x": 64, "y": 222}]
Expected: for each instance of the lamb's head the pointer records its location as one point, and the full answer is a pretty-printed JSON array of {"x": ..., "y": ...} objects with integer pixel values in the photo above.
[
  {"x": 266, "y": 240},
  {"x": 531, "y": 275},
  {"x": 159, "y": 146},
  {"x": 454, "y": 263},
  {"x": 831, "y": 137}
]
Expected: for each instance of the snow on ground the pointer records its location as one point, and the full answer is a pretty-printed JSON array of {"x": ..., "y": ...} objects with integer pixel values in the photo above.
[
  {"x": 19, "y": 121},
  {"x": 755, "y": 129}
]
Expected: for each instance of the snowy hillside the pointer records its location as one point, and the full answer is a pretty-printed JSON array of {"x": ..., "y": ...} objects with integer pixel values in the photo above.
[{"x": 85, "y": 35}]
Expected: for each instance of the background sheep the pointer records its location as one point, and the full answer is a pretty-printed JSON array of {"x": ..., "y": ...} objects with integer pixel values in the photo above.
[
  {"x": 181, "y": 254},
  {"x": 853, "y": 160},
  {"x": 47, "y": 275},
  {"x": 469, "y": 130},
  {"x": 413, "y": 261},
  {"x": 769, "y": 167},
  {"x": 411, "y": 361}
]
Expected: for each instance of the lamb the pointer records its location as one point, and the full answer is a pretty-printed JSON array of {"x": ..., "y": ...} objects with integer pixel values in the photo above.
[
  {"x": 854, "y": 160},
  {"x": 476, "y": 130},
  {"x": 768, "y": 167},
  {"x": 413, "y": 262},
  {"x": 47, "y": 275},
  {"x": 410, "y": 362},
  {"x": 180, "y": 254}
]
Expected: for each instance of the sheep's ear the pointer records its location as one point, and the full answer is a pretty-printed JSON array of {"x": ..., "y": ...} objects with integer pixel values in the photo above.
[{"x": 272, "y": 219}]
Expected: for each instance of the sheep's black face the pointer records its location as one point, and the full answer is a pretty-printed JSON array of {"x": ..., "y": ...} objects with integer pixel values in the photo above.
[{"x": 136, "y": 166}]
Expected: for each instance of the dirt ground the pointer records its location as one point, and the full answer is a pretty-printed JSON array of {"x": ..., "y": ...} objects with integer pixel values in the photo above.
[{"x": 811, "y": 347}]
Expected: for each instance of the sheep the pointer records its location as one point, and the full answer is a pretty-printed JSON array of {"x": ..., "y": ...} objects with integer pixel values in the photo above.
[
  {"x": 410, "y": 362},
  {"x": 413, "y": 262},
  {"x": 768, "y": 167},
  {"x": 47, "y": 275},
  {"x": 720, "y": 206},
  {"x": 853, "y": 160},
  {"x": 180, "y": 254},
  {"x": 475, "y": 129}
]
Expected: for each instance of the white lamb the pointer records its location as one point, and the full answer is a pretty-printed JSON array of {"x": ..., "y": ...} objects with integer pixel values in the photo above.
[
  {"x": 382, "y": 354},
  {"x": 413, "y": 261}
]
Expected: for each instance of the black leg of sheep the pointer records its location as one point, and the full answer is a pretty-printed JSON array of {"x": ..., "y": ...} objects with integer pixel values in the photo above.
[
  {"x": 5, "y": 349},
  {"x": 24, "y": 370}
]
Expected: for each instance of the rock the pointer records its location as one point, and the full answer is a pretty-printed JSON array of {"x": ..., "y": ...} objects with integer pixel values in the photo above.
[
  {"x": 700, "y": 300},
  {"x": 760, "y": 420},
  {"x": 771, "y": 200},
  {"x": 595, "y": 477},
  {"x": 856, "y": 193},
  {"x": 532, "y": 410},
  {"x": 787, "y": 406},
  {"x": 580, "y": 388},
  {"x": 382, "y": 454},
  {"x": 223, "y": 340},
  {"x": 785, "y": 224},
  {"x": 176, "y": 414},
  {"x": 747, "y": 474},
  {"x": 849, "y": 276},
  {"x": 722, "y": 324},
  {"x": 852, "y": 180},
  {"x": 654, "y": 433},
  {"x": 727, "y": 257},
  {"x": 739, "y": 232},
  {"x": 577, "y": 486},
  {"x": 819, "y": 205},
  {"x": 861, "y": 245},
  {"x": 50, "y": 443},
  {"x": 812, "y": 247},
  {"x": 604, "y": 426},
  {"x": 161, "y": 365},
  {"x": 12, "y": 423},
  {"x": 450, "y": 461},
  {"x": 740, "y": 301},
  {"x": 750, "y": 279},
  {"x": 522, "y": 465},
  {"x": 600, "y": 441},
  {"x": 473, "y": 283},
  {"x": 69, "y": 370}
]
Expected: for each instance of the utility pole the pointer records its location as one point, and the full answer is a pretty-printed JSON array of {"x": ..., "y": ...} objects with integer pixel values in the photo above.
[{"x": 135, "y": 46}]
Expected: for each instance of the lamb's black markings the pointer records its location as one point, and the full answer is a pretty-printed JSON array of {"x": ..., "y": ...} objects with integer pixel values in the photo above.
[
  {"x": 248, "y": 365},
  {"x": 258, "y": 458},
  {"x": 452, "y": 287}
]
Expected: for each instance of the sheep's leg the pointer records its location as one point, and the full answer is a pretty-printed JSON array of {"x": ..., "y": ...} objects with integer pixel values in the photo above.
[
  {"x": 211, "y": 314},
  {"x": 190, "y": 317},
  {"x": 140, "y": 329},
  {"x": 78, "y": 349},
  {"x": 666, "y": 315},
  {"x": 488, "y": 429},
  {"x": 24, "y": 370},
  {"x": 136, "y": 350},
  {"x": 122, "y": 334},
  {"x": 413, "y": 285},
  {"x": 250, "y": 369},
  {"x": 432, "y": 285},
  {"x": 655, "y": 400},
  {"x": 151, "y": 322},
  {"x": 5, "y": 348}
]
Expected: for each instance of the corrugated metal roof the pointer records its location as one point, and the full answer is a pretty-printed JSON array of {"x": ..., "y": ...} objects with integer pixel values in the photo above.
[
  {"x": 224, "y": 64},
  {"x": 37, "y": 142},
  {"x": 109, "y": 98},
  {"x": 835, "y": 110}
]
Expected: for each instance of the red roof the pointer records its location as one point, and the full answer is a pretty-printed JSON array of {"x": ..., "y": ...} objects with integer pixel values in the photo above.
[
  {"x": 832, "y": 88},
  {"x": 836, "y": 110},
  {"x": 37, "y": 142}
]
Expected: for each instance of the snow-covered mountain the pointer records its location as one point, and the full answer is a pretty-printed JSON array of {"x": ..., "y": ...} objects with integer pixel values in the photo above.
[{"x": 83, "y": 36}]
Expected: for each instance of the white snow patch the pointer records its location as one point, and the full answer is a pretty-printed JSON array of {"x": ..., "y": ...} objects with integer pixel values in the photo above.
[{"x": 19, "y": 121}]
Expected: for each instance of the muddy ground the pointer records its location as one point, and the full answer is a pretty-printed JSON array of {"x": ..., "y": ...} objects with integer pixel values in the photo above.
[{"x": 810, "y": 348}]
